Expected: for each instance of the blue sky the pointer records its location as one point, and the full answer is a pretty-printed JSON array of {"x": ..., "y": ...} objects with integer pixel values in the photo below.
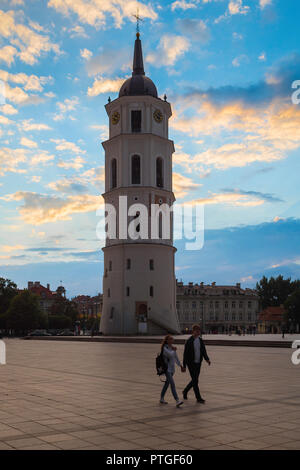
[{"x": 227, "y": 68}]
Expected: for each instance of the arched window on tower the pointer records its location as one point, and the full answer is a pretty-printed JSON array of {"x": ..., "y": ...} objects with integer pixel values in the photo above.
[
  {"x": 159, "y": 173},
  {"x": 113, "y": 173},
  {"x": 136, "y": 169}
]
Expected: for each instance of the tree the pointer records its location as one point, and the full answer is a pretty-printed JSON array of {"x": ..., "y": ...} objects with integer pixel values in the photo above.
[
  {"x": 24, "y": 313},
  {"x": 8, "y": 290},
  {"x": 59, "y": 322},
  {"x": 274, "y": 291},
  {"x": 65, "y": 307},
  {"x": 292, "y": 307}
]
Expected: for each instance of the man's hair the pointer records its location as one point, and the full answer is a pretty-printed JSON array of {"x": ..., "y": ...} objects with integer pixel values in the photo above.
[{"x": 196, "y": 327}]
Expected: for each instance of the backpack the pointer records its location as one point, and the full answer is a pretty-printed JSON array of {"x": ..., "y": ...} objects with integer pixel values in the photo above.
[{"x": 161, "y": 366}]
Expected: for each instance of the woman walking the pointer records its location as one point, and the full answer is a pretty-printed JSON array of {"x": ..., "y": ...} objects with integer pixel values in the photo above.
[{"x": 170, "y": 357}]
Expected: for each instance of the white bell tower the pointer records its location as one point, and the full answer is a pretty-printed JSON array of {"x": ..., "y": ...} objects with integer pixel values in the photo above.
[{"x": 139, "y": 286}]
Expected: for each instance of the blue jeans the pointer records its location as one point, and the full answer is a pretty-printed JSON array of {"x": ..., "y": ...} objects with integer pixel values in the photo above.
[{"x": 169, "y": 381}]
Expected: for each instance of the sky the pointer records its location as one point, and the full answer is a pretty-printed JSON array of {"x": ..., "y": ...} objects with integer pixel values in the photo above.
[{"x": 227, "y": 68}]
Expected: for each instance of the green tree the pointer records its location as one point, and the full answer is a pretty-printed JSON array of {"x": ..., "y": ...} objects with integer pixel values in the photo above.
[
  {"x": 274, "y": 291},
  {"x": 59, "y": 322},
  {"x": 65, "y": 307},
  {"x": 8, "y": 290},
  {"x": 24, "y": 313},
  {"x": 292, "y": 307},
  {"x": 72, "y": 311}
]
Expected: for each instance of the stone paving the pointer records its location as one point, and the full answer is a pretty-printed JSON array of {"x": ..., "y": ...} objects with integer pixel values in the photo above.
[{"x": 64, "y": 395}]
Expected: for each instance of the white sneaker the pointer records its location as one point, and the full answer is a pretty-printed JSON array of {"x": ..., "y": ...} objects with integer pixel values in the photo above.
[
  {"x": 163, "y": 402},
  {"x": 179, "y": 403}
]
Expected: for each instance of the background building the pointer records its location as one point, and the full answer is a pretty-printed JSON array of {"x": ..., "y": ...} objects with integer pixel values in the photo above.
[
  {"x": 271, "y": 320},
  {"x": 47, "y": 297},
  {"x": 89, "y": 307},
  {"x": 216, "y": 308}
]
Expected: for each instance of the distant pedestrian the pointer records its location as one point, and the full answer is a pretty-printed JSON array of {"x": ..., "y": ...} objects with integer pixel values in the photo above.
[
  {"x": 194, "y": 352},
  {"x": 170, "y": 358}
]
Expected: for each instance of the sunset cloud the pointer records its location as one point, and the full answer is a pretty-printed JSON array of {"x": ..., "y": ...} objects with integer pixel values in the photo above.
[
  {"x": 39, "y": 209},
  {"x": 28, "y": 143},
  {"x": 96, "y": 12},
  {"x": 75, "y": 163},
  {"x": 105, "y": 86},
  {"x": 170, "y": 49},
  {"x": 65, "y": 146},
  {"x": 28, "y": 44},
  {"x": 10, "y": 160},
  {"x": 182, "y": 185}
]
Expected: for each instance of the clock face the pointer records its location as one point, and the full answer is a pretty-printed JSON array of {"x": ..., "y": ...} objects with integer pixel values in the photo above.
[
  {"x": 158, "y": 116},
  {"x": 115, "y": 117}
]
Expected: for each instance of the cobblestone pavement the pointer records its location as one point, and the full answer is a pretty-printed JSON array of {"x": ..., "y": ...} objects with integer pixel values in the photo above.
[{"x": 73, "y": 395}]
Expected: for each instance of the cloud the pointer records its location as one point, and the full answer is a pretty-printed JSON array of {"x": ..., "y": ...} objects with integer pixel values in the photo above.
[
  {"x": 77, "y": 31},
  {"x": 7, "y": 54},
  {"x": 28, "y": 125},
  {"x": 235, "y": 7},
  {"x": 36, "y": 179},
  {"x": 170, "y": 49},
  {"x": 41, "y": 158},
  {"x": 10, "y": 160},
  {"x": 12, "y": 248},
  {"x": 96, "y": 12},
  {"x": 255, "y": 123},
  {"x": 182, "y": 185},
  {"x": 103, "y": 128},
  {"x": 67, "y": 186},
  {"x": 196, "y": 29},
  {"x": 28, "y": 143},
  {"x": 262, "y": 56},
  {"x": 237, "y": 36},
  {"x": 264, "y": 3},
  {"x": 64, "y": 145},
  {"x": 75, "y": 163},
  {"x": 256, "y": 194},
  {"x": 79, "y": 184},
  {"x": 8, "y": 109},
  {"x": 110, "y": 60},
  {"x": 30, "y": 44},
  {"x": 39, "y": 209},
  {"x": 183, "y": 5},
  {"x": 16, "y": 94},
  {"x": 86, "y": 53},
  {"x": 29, "y": 82},
  {"x": 234, "y": 199},
  {"x": 105, "y": 86},
  {"x": 5, "y": 121},
  {"x": 237, "y": 60},
  {"x": 69, "y": 104}
]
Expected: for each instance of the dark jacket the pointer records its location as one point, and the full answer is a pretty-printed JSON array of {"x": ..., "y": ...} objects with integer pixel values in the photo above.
[{"x": 189, "y": 353}]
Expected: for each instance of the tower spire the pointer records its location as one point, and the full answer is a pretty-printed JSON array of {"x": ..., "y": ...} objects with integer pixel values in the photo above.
[{"x": 138, "y": 64}]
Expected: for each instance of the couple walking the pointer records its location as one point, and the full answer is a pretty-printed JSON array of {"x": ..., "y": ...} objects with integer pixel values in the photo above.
[{"x": 194, "y": 352}]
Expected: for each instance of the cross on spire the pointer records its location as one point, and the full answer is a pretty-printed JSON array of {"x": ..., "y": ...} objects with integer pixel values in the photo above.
[{"x": 138, "y": 19}]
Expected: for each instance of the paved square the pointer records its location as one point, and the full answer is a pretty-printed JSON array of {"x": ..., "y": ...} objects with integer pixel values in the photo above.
[{"x": 73, "y": 395}]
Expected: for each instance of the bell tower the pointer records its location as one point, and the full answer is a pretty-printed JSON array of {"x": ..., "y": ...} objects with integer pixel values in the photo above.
[{"x": 139, "y": 286}]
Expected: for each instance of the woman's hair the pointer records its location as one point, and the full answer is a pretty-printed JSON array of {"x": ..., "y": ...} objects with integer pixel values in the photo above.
[{"x": 165, "y": 341}]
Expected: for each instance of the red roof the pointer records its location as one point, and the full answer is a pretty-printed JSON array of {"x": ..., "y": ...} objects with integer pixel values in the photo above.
[
  {"x": 272, "y": 314},
  {"x": 42, "y": 291}
]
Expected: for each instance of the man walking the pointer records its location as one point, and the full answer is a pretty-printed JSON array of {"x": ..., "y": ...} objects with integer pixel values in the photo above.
[{"x": 194, "y": 352}]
